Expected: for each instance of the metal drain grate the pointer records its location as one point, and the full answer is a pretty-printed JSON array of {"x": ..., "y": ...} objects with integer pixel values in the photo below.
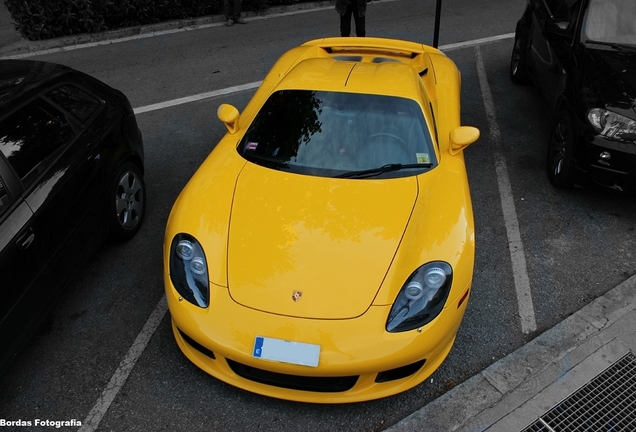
[{"x": 605, "y": 404}]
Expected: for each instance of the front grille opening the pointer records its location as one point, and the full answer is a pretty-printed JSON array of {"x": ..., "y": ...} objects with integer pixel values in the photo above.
[
  {"x": 605, "y": 404},
  {"x": 399, "y": 373},
  {"x": 294, "y": 382},
  {"x": 197, "y": 346}
]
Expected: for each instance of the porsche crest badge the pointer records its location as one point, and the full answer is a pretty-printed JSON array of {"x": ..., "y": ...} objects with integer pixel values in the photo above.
[{"x": 297, "y": 295}]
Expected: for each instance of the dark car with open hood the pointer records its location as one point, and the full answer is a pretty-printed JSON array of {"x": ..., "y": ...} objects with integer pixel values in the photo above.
[
  {"x": 581, "y": 54},
  {"x": 71, "y": 173}
]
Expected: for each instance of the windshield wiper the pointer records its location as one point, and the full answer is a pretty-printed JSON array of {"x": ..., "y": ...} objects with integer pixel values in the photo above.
[
  {"x": 617, "y": 46},
  {"x": 383, "y": 169}
]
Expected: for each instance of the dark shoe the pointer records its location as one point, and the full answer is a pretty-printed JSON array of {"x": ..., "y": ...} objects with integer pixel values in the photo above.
[
  {"x": 240, "y": 21},
  {"x": 229, "y": 23}
]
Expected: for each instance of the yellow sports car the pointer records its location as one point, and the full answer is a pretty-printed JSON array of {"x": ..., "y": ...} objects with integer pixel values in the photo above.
[{"x": 324, "y": 250}]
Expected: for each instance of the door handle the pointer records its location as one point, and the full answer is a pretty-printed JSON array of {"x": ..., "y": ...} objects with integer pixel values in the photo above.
[{"x": 26, "y": 239}]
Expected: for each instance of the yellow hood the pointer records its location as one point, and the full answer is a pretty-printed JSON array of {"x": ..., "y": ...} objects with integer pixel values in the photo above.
[{"x": 314, "y": 247}]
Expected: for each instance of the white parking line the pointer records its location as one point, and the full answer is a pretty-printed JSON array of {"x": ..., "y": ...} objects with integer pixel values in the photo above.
[
  {"x": 198, "y": 97},
  {"x": 117, "y": 381},
  {"x": 517, "y": 254},
  {"x": 475, "y": 42},
  {"x": 253, "y": 85}
]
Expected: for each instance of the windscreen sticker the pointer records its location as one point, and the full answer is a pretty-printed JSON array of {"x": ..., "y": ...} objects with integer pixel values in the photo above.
[
  {"x": 251, "y": 146},
  {"x": 422, "y": 158}
]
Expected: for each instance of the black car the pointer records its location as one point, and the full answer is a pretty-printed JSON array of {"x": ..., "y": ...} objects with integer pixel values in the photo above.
[
  {"x": 581, "y": 54},
  {"x": 71, "y": 172}
]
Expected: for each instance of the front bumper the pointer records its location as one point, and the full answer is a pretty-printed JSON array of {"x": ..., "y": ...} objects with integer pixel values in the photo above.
[
  {"x": 616, "y": 170},
  {"x": 358, "y": 361}
]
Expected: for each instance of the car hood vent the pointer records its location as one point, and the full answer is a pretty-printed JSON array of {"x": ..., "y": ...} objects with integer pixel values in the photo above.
[{"x": 314, "y": 247}]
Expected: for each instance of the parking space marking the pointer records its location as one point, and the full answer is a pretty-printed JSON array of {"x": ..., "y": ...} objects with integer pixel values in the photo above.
[
  {"x": 253, "y": 85},
  {"x": 117, "y": 381},
  {"x": 475, "y": 42},
  {"x": 515, "y": 244},
  {"x": 198, "y": 97}
]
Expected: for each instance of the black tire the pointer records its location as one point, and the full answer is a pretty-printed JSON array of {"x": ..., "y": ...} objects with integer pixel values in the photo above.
[
  {"x": 518, "y": 70},
  {"x": 560, "y": 157},
  {"x": 126, "y": 201}
]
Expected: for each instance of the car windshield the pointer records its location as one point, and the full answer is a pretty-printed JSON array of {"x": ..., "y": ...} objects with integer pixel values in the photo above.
[
  {"x": 610, "y": 22},
  {"x": 335, "y": 134}
]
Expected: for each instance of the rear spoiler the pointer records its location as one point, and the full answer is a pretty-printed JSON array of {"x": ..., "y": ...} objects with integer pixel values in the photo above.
[{"x": 413, "y": 53}]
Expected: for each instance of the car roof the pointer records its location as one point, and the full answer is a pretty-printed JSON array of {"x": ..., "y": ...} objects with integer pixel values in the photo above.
[{"x": 20, "y": 77}]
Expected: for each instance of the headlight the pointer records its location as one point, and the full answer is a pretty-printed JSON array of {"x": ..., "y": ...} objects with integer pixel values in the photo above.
[
  {"x": 189, "y": 270},
  {"x": 421, "y": 298},
  {"x": 612, "y": 125}
]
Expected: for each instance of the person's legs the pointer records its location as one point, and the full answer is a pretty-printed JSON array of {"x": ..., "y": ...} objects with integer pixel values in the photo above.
[
  {"x": 359, "y": 20},
  {"x": 229, "y": 13},
  {"x": 232, "y": 9},
  {"x": 360, "y": 26},
  {"x": 237, "y": 12},
  {"x": 345, "y": 22}
]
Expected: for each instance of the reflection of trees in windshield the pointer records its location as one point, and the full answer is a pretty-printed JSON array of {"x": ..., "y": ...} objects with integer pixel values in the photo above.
[
  {"x": 287, "y": 120},
  {"x": 330, "y": 133}
]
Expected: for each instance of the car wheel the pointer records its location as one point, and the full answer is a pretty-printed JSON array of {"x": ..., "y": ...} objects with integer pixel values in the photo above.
[
  {"x": 560, "y": 160},
  {"x": 518, "y": 70},
  {"x": 126, "y": 201}
]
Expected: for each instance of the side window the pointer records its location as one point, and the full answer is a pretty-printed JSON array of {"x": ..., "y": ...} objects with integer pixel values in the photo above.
[
  {"x": 76, "y": 101},
  {"x": 4, "y": 199},
  {"x": 32, "y": 136}
]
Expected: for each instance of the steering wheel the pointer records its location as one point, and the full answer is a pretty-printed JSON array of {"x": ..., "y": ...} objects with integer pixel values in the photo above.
[
  {"x": 394, "y": 139},
  {"x": 389, "y": 135},
  {"x": 378, "y": 150}
]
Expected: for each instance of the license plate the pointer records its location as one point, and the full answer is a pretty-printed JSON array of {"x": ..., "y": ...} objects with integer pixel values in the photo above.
[{"x": 286, "y": 351}]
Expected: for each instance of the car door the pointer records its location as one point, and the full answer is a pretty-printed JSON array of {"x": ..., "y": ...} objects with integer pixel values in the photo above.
[
  {"x": 77, "y": 180},
  {"x": 553, "y": 27},
  {"x": 55, "y": 219},
  {"x": 23, "y": 268}
]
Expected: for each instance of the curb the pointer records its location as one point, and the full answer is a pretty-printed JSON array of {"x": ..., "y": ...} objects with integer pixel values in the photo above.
[
  {"x": 26, "y": 46},
  {"x": 507, "y": 384}
]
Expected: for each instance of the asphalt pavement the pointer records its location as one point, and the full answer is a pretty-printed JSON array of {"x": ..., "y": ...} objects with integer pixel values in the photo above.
[{"x": 554, "y": 377}]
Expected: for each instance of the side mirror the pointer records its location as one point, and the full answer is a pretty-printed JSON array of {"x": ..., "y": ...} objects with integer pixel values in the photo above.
[
  {"x": 229, "y": 115},
  {"x": 462, "y": 137}
]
